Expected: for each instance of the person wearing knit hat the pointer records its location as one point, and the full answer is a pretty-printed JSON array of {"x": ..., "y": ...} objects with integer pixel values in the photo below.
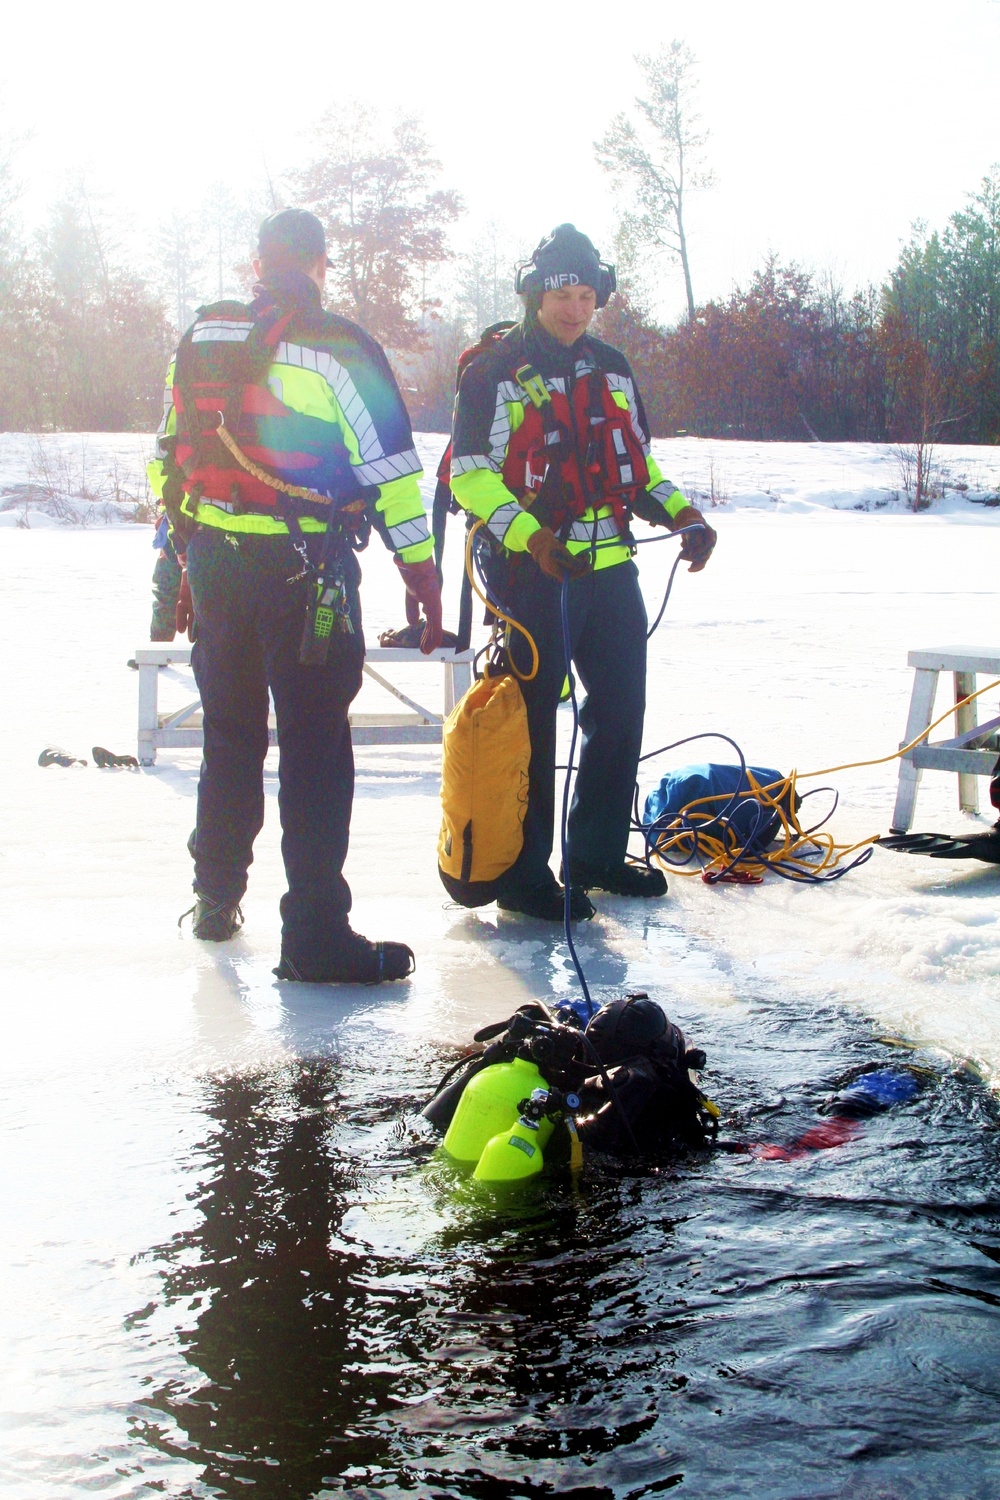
[{"x": 550, "y": 448}]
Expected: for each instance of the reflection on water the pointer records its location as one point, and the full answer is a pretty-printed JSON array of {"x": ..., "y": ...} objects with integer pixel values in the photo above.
[{"x": 353, "y": 1323}]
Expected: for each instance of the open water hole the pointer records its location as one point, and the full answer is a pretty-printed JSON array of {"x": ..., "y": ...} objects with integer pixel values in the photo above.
[{"x": 336, "y": 1316}]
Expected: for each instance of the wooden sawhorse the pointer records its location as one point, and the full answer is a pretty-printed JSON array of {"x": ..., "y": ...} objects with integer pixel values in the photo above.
[
  {"x": 959, "y": 754},
  {"x": 422, "y": 726}
]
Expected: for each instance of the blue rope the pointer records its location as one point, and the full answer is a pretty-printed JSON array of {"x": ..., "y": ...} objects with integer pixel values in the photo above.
[
  {"x": 592, "y": 1006},
  {"x": 748, "y": 851}
]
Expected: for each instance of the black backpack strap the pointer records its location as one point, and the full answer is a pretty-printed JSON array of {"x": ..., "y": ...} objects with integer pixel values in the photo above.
[{"x": 258, "y": 352}]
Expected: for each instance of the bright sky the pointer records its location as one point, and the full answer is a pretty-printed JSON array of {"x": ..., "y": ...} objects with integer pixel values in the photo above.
[{"x": 833, "y": 125}]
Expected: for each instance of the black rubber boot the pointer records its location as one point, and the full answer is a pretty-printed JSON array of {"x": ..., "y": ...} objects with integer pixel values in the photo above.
[
  {"x": 623, "y": 880},
  {"x": 547, "y": 903},
  {"x": 214, "y": 921},
  {"x": 350, "y": 959}
]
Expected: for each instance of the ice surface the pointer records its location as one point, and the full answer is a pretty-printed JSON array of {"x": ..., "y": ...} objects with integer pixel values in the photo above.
[{"x": 793, "y": 641}]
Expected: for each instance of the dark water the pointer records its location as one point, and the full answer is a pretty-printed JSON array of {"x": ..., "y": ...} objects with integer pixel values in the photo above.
[{"x": 346, "y": 1321}]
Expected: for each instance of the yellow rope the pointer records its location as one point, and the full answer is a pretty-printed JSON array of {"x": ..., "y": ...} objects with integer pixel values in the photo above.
[
  {"x": 498, "y": 613},
  {"x": 722, "y": 851},
  {"x": 792, "y": 848},
  {"x": 905, "y": 750}
]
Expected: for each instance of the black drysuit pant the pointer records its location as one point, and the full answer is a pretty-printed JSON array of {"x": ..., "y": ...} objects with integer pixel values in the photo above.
[
  {"x": 607, "y": 633},
  {"x": 250, "y": 620}
]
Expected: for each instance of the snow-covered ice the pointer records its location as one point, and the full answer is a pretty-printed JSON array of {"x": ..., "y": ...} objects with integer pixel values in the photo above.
[{"x": 794, "y": 642}]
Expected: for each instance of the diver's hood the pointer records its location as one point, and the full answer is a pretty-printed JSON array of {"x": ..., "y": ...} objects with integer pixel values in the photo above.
[{"x": 635, "y": 1026}]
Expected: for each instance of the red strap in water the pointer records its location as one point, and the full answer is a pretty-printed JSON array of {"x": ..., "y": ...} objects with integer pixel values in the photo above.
[{"x": 834, "y": 1132}]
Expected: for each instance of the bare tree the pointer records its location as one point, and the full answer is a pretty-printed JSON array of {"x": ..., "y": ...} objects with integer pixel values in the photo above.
[
  {"x": 658, "y": 154},
  {"x": 371, "y": 187},
  {"x": 485, "y": 289}
]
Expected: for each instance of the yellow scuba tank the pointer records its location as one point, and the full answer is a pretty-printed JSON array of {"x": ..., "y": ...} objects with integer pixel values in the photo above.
[
  {"x": 514, "y": 1153},
  {"x": 489, "y": 1104}
]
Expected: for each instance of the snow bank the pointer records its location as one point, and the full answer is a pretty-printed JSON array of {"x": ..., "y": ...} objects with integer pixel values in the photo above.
[
  {"x": 74, "y": 479},
  {"x": 99, "y": 478}
]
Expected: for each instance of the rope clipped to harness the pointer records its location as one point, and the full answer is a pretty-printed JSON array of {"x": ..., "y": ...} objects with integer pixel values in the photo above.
[
  {"x": 499, "y": 614},
  {"x": 297, "y": 491}
]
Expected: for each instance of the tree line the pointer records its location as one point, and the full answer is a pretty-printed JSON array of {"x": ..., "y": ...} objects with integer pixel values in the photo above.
[{"x": 791, "y": 355}]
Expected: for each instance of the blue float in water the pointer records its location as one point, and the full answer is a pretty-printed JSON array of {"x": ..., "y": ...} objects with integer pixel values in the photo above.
[{"x": 874, "y": 1092}]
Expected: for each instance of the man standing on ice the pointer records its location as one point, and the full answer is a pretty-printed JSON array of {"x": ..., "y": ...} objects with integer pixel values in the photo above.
[
  {"x": 551, "y": 450},
  {"x": 284, "y": 441}
]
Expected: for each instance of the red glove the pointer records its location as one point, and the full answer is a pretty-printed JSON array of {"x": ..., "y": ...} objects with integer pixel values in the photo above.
[
  {"x": 422, "y": 584},
  {"x": 184, "y": 608}
]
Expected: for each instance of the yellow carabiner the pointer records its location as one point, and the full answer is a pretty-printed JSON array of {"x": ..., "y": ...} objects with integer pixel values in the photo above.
[{"x": 532, "y": 385}]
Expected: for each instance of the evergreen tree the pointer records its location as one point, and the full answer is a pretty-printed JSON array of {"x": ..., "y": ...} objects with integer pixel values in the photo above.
[
  {"x": 943, "y": 297},
  {"x": 104, "y": 337},
  {"x": 20, "y": 316}
]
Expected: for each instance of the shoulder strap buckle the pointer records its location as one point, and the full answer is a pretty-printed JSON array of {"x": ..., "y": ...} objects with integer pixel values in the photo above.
[{"x": 532, "y": 385}]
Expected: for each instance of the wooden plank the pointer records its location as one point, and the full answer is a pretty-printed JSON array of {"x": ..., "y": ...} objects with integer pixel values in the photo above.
[
  {"x": 921, "y": 710},
  {"x": 181, "y": 729},
  {"x": 957, "y": 659},
  {"x": 413, "y": 734},
  {"x": 965, "y": 722},
  {"x": 966, "y": 762}
]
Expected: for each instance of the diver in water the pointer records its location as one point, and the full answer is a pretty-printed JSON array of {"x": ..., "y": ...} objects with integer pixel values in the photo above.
[{"x": 627, "y": 1086}]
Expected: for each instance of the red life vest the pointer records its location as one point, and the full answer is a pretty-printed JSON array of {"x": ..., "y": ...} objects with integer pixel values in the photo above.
[
  {"x": 221, "y": 367},
  {"x": 574, "y": 454}
]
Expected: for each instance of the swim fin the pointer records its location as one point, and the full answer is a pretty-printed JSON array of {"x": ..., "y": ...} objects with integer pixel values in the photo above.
[
  {"x": 52, "y": 755},
  {"x": 982, "y": 846},
  {"x": 105, "y": 758}
]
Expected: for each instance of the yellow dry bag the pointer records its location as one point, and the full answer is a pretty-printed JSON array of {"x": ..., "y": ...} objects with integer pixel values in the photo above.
[{"x": 484, "y": 789}]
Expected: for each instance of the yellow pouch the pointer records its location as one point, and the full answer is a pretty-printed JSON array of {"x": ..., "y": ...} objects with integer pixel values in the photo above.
[{"x": 484, "y": 789}]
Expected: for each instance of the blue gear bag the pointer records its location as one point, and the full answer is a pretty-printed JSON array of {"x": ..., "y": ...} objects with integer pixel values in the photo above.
[{"x": 747, "y": 820}]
